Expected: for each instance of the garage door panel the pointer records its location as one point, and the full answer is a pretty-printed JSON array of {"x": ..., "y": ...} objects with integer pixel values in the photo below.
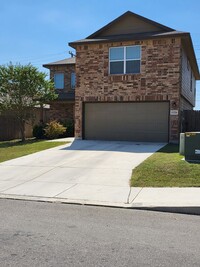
[{"x": 127, "y": 121}]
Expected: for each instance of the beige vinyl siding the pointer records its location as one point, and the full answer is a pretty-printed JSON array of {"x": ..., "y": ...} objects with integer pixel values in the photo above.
[
  {"x": 130, "y": 25},
  {"x": 185, "y": 105},
  {"x": 188, "y": 82}
]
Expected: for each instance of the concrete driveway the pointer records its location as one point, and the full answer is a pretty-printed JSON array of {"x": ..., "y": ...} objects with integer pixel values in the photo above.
[{"x": 81, "y": 172}]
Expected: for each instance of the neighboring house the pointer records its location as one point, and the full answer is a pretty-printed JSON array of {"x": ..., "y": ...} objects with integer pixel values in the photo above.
[
  {"x": 133, "y": 78},
  {"x": 63, "y": 74}
]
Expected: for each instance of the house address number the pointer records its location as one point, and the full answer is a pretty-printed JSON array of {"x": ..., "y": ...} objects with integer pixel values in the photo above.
[{"x": 173, "y": 112}]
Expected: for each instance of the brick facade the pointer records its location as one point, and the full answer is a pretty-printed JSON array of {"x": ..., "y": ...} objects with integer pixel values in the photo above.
[
  {"x": 61, "y": 111},
  {"x": 159, "y": 80}
]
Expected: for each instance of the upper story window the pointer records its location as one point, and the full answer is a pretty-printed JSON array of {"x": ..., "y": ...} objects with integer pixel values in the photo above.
[
  {"x": 125, "y": 59},
  {"x": 59, "y": 80},
  {"x": 73, "y": 80}
]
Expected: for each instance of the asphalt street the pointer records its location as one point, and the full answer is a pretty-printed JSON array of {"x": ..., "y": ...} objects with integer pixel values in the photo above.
[{"x": 49, "y": 234}]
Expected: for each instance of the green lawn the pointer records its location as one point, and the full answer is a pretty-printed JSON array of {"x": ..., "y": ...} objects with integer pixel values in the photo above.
[
  {"x": 166, "y": 168},
  {"x": 15, "y": 149}
]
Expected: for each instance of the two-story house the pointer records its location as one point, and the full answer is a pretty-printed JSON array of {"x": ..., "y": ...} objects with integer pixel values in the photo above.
[
  {"x": 63, "y": 74},
  {"x": 134, "y": 76}
]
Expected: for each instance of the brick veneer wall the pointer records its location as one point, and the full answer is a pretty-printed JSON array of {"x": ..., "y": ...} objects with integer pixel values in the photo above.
[
  {"x": 159, "y": 79},
  {"x": 61, "y": 111}
]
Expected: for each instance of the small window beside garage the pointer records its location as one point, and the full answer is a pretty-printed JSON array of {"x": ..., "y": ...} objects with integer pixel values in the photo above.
[{"x": 125, "y": 60}]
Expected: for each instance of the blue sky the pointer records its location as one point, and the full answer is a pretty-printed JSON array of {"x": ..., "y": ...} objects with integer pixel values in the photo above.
[{"x": 39, "y": 31}]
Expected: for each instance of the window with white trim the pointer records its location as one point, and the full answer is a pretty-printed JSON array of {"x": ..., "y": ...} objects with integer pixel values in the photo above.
[
  {"x": 125, "y": 59},
  {"x": 73, "y": 80},
  {"x": 59, "y": 80}
]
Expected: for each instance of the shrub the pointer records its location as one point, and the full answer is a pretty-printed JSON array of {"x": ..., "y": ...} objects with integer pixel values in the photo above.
[
  {"x": 38, "y": 131},
  {"x": 69, "y": 124},
  {"x": 54, "y": 130}
]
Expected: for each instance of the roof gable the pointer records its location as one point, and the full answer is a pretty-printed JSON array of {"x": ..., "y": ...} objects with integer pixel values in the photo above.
[{"x": 129, "y": 23}]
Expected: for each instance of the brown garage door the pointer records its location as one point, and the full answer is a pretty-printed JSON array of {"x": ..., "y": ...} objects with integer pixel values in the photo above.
[{"x": 127, "y": 121}]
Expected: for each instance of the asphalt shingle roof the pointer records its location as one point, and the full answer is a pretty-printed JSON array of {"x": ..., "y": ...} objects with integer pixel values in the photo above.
[{"x": 66, "y": 61}]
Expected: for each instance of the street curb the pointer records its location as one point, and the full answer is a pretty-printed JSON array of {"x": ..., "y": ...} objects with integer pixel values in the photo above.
[
  {"x": 190, "y": 210},
  {"x": 65, "y": 201}
]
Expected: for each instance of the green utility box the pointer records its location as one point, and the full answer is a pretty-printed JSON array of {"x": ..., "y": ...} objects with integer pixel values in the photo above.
[{"x": 192, "y": 146}]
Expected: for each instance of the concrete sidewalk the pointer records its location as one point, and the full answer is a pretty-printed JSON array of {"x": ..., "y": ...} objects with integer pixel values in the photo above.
[
  {"x": 93, "y": 173},
  {"x": 174, "y": 199},
  {"x": 180, "y": 200}
]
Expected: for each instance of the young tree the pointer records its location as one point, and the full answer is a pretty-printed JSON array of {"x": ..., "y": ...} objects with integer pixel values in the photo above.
[{"x": 22, "y": 88}]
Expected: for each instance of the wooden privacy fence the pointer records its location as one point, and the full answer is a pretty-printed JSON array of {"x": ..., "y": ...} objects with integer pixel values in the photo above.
[
  {"x": 9, "y": 127},
  {"x": 191, "y": 121}
]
